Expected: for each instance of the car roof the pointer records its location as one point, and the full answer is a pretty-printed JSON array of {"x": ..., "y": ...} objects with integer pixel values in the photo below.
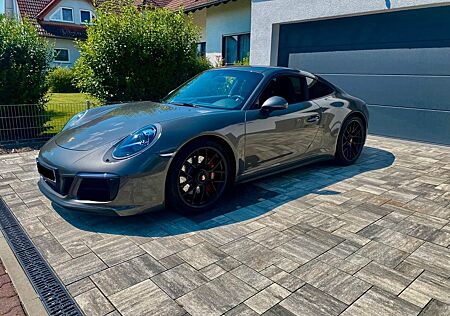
[{"x": 268, "y": 70}]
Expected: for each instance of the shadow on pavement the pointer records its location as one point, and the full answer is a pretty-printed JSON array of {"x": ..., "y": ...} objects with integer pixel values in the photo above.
[{"x": 244, "y": 202}]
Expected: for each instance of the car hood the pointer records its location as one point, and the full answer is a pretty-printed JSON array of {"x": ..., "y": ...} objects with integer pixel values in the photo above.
[{"x": 111, "y": 124}]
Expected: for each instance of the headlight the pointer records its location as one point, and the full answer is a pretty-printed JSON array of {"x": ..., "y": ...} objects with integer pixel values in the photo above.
[
  {"x": 73, "y": 121},
  {"x": 135, "y": 142}
]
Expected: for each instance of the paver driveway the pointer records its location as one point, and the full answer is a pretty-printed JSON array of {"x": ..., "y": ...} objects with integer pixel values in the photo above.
[{"x": 369, "y": 239}]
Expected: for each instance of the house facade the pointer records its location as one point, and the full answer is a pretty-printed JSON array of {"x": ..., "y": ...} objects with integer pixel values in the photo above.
[
  {"x": 394, "y": 54},
  {"x": 60, "y": 21}
]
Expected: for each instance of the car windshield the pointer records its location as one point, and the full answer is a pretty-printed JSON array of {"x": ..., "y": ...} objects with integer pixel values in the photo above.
[{"x": 222, "y": 89}]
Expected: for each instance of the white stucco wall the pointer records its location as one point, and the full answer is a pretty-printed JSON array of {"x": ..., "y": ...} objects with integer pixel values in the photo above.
[
  {"x": 67, "y": 44},
  {"x": 267, "y": 15},
  {"x": 9, "y": 8},
  {"x": 76, "y": 5},
  {"x": 231, "y": 18},
  {"x": 199, "y": 20}
]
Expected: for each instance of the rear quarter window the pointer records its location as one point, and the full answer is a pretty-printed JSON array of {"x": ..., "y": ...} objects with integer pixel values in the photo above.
[{"x": 318, "y": 89}]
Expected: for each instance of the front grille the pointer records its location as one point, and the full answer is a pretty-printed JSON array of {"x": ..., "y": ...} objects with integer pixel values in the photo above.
[
  {"x": 98, "y": 189},
  {"x": 46, "y": 172},
  {"x": 66, "y": 185}
]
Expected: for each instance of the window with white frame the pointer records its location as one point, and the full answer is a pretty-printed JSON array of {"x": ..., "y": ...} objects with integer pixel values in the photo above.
[
  {"x": 62, "y": 55},
  {"x": 63, "y": 15},
  {"x": 86, "y": 16}
]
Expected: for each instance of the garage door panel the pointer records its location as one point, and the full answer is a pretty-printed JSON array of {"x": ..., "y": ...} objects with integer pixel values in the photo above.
[
  {"x": 397, "y": 61},
  {"x": 418, "y": 61},
  {"x": 404, "y": 91},
  {"x": 425, "y": 125}
]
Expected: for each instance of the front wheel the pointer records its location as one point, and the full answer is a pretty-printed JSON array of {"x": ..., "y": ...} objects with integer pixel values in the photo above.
[
  {"x": 198, "y": 177},
  {"x": 350, "y": 141}
]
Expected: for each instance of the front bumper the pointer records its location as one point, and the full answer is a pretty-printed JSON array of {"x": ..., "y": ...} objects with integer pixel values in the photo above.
[{"x": 136, "y": 187}]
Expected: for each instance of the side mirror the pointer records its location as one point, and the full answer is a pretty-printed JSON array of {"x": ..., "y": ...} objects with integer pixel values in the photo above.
[{"x": 273, "y": 104}]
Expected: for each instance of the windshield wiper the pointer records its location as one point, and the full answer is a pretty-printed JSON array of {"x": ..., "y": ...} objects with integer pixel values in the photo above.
[{"x": 184, "y": 104}]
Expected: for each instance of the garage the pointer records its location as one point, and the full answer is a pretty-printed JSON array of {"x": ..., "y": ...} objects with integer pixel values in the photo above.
[{"x": 398, "y": 62}]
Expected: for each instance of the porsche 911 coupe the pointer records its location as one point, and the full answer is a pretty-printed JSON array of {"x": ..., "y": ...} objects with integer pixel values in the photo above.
[{"x": 224, "y": 126}]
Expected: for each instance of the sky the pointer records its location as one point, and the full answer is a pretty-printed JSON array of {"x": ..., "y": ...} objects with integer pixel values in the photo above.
[{"x": 2, "y": 4}]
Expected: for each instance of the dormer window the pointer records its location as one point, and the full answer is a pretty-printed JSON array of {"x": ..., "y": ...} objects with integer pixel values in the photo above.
[
  {"x": 63, "y": 15},
  {"x": 86, "y": 16}
]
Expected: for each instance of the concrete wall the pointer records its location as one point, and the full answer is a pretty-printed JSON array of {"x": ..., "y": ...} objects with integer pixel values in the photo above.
[
  {"x": 76, "y": 5},
  {"x": 231, "y": 18},
  {"x": 266, "y": 15},
  {"x": 68, "y": 44}
]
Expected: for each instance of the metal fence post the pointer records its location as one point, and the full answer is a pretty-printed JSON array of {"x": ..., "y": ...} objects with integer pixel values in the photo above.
[{"x": 88, "y": 104}]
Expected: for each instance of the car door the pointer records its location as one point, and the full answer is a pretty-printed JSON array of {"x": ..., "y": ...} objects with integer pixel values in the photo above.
[{"x": 281, "y": 136}]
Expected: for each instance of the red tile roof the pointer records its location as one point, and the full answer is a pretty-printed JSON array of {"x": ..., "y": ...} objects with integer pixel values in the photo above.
[
  {"x": 30, "y": 9},
  {"x": 193, "y": 5}
]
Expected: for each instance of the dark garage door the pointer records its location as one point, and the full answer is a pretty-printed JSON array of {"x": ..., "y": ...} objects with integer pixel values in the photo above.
[{"x": 398, "y": 62}]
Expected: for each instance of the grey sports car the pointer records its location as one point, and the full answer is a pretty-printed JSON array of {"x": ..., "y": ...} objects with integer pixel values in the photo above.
[{"x": 224, "y": 126}]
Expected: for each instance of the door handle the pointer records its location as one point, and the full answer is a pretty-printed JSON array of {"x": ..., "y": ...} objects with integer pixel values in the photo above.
[{"x": 313, "y": 119}]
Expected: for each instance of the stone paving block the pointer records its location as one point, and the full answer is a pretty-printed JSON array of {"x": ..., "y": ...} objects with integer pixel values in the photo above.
[
  {"x": 81, "y": 286},
  {"x": 383, "y": 254},
  {"x": 269, "y": 237},
  {"x": 287, "y": 265},
  {"x": 163, "y": 247},
  {"x": 383, "y": 222},
  {"x": 436, "y": 308},
  {"x": 309, "y": 301},
  {"x": 145, "y": 298},
  {"x": 212, "y": 271},
  {"x": 278, "y": 310},
  {"x": 79, "y": 268},
  {"x": 288, "y": 281},
  {"x": 265, "y": 299},
  {"x": 433, "y": 258},
  {"x": 251, "y": 277},
  {"x": 51, "y": 249},
  {"x": 433, "y": 286},
  {"x": 241, "y": 310},
  {"x": 202, "y": 255},
  {"x": 216, "y": 297},
  {"x": 302, "y": 249},
  {"x": 114, "y": 250},
  {"x": 383, "y": 277},
  {"x": 179, "y": 280},
  {"x": 228, "y": 263},
  {"x": 251, "y": 253},
  {"x": 332, "y": 281},
  {"x": 378, "y": 302},
  {"x": 126, "y": 274},
  {"x": 94, "y": 303}
]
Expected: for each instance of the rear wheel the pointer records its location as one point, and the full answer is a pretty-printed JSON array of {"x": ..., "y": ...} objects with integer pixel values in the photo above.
[
  {"x": 350, "y": 141},
  {"x": 198, "y": 177}
]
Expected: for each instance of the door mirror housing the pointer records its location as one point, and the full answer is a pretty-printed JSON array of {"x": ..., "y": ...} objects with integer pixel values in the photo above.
[{"x": 274, "y": 104}]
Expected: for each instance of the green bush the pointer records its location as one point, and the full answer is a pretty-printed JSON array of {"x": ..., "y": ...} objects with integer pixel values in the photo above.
[
  {"x": 61, "y": 80},
  {"x": 24, "y": 61},
  {"x": 137, "y": 54}
]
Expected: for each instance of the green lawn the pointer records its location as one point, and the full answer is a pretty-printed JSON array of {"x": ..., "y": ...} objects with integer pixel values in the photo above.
[{"x": 62, "y": 106}]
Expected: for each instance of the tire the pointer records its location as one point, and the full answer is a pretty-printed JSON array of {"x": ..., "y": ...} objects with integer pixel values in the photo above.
[
  {"x": 350, "y": 141},
  {"x": 198, "y": 177}
]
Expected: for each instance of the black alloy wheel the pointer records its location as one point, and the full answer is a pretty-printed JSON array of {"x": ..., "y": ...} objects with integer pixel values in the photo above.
[
  {"x": 198, "y": 177},
  {"x": 350, "y": 141}
]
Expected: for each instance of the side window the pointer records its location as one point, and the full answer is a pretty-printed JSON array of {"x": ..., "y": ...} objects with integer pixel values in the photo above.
[
  {"x": 289, "y": 87},
  {"x": 317, "y": 89}
]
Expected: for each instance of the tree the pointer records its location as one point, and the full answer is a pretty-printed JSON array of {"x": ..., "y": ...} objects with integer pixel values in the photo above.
[
  {"x": 24, "y": 62},
  {"x": 137, "y": 53}
]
